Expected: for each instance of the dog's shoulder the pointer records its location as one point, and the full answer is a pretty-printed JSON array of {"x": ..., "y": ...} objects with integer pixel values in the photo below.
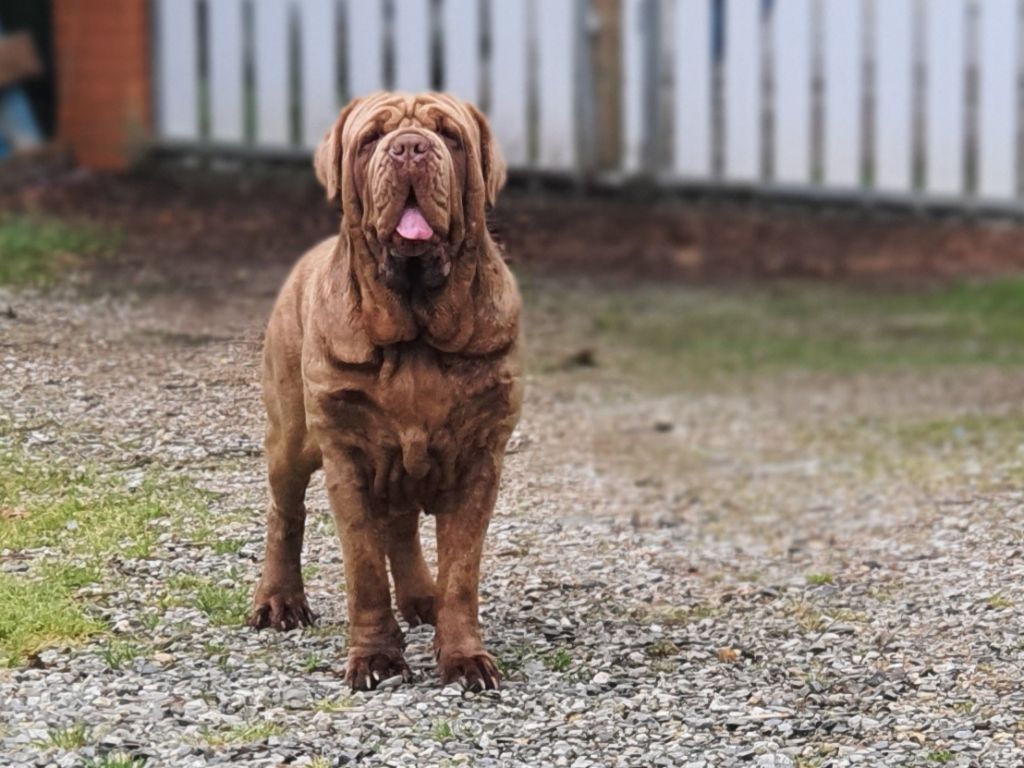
[{"x": 330, "y": 308}]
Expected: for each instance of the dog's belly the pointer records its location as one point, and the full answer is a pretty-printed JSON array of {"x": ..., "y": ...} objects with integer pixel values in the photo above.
[{"x": 415, "y": 426}]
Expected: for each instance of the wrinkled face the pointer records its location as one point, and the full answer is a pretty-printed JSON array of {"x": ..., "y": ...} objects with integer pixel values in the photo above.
[{"x": 415, "y": 172}]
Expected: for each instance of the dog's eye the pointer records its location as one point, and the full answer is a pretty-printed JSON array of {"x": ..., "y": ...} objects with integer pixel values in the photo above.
[
  {"x": 451, "y": 137},
  {"x": 369, "y": 140}
]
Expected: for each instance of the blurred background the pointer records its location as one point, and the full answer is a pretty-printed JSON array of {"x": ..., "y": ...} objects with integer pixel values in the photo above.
[
  {"x": 771, "y": 253},
  {"x": 909, "y": 99}
]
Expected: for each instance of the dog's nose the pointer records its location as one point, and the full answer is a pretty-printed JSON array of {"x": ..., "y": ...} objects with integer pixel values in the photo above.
[{"x": 408, "y": 147}]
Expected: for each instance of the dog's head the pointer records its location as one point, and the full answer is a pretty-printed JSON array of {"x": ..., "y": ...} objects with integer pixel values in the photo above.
[{"x": 415, "y": 174}]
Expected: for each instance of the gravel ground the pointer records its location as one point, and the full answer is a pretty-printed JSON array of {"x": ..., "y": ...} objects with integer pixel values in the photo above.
[{"x": 650, "y": 609}]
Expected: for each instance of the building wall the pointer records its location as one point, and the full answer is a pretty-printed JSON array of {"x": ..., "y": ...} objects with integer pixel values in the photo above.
[{"x": 104, "y": 100}]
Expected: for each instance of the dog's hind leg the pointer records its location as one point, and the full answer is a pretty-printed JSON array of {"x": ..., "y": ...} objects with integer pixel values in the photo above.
[{"x": 414, "y": 586}]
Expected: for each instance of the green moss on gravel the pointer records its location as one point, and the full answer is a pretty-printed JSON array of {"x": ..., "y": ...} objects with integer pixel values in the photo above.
[
  {"x": 33, "y": 249},
  {"x": 666, "y": 335},
  {"x": 35, "y": 614},
  {"x": 247, "y": 733},
  {"x": 81, "y": 516}
]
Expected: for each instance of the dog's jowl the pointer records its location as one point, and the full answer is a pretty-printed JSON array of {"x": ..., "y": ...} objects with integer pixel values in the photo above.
[{"x": 392, "y": 361}]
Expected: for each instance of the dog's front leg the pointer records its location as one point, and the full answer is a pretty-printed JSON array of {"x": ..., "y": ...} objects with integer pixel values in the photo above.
[
  {"x": 460, "y": 541},
  {"x": 375, "y": 642}
]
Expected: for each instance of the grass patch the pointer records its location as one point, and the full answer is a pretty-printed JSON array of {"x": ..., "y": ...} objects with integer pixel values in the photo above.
[
  {"x": 696, "y": 333},
  {"x": 818, "y": 579},
  {"x": 72, "y": 737},
  {"x": 116, "y": 760},
  {"x": 662, "y": 649},
  {"x": 559, "y": 661},
  {"x": 227, "y": 546},
  {"x": 117, "y": 653},
  {"x": 35, "y": 614},
  {"x": 442, "y": 731},
  {"x": 998, "y": 602},
  {"x": 968, "y": 430},
  {"x": 673, "y": 616},
  {"x": 314, "y": 662},
  {"x": 218, "y": 653},
  {"x": 82, "y": 511},
  {"x": 225, "y": 606},
  {"x": 69, "y": 575},
  {"x": 979, "y": 449},
  {"x": 964, "y": 707},
  {"x": 184, "y": 582},
  {"x": 807, "y": 616},
  {"x": 311, "y": 571},
  {"x": 34, "y": 250},
  {"x": 83, "y": 516},
  {"x": 242, "y": 734},
  {"x": 333, "y": 705}
]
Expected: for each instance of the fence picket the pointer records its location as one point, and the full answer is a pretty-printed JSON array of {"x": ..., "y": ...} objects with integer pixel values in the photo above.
[
  {"x": 412, "y": 45},
  {"x": 508, "y": 79},
  {"x": 843, "y": 97},
  {"x": 791, "y": 44},
  {"x": 556, "y": 103},
  {"x": 692, "y": 78},
  {"x": 742, "y": 91},
  {"x": 997, "y": 100},
  {"x": 178, "y": 69},
  {"x": 365, "y": 47},
  {"x": 319, "y": 62},
  {"x": 227, "y": 110},
  {"x": 461, "y": 40},
  {"x": 273, "y": 103},
  {"x": 894, "y": 95},
  {"x": 945, "y": 96},
  {"x": 633, "y": 84}
]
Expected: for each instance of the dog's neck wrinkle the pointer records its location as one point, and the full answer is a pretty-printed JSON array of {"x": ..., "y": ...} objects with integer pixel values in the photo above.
[
  {"x": 383, "y": 316},
  {"x": 459, "y": 319},
  {"x": 466, "y": 319}
]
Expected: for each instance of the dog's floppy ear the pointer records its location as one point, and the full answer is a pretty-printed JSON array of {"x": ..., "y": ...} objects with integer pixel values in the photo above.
[
  {"x": 327, "y": 161},
  {"x": 492, "y": 164}
]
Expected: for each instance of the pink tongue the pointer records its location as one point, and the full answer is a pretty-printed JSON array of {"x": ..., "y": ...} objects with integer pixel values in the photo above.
[{"x": 412, "y": 225}]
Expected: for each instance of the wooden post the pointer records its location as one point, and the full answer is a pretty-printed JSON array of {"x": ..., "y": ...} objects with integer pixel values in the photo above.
[{"x": 607, "y": 65}]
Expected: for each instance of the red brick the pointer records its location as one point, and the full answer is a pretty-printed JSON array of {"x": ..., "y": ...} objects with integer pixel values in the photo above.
[{"x": 104, "y": 92}]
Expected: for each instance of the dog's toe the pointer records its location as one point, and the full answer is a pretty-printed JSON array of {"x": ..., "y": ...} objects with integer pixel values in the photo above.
[
  {"x": 477, "y": 672},
  {"x": 418, "y": 610},
  {"x": 281, "y": 613},
  {"x": 365, "y": 671}
]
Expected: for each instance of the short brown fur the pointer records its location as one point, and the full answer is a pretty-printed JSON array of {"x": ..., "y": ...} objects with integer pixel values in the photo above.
[{"x": 395, "y": 366}]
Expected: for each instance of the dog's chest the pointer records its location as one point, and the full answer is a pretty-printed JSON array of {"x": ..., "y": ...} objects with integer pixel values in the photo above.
[{"x": 413, "y": 424}]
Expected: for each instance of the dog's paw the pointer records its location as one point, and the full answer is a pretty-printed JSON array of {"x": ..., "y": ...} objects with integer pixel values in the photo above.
[
  {"x": 281, "y": 611},
  {"x": 418, "y": 610},
  {"x": 365, "y": 670},
  {"x": 476, "y": 671}
]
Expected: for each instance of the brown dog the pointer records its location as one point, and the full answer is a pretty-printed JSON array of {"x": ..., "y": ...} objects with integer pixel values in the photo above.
[{"x": 392, "y": 360}]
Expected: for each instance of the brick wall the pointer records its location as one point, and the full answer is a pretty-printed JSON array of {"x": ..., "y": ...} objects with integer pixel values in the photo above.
[{"x": 102, "y": 52}]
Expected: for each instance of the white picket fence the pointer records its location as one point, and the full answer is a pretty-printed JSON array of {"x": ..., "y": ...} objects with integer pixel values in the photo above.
[
  {"x": 307, "y": 57},
  {"x": 901, "y": 99}
]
